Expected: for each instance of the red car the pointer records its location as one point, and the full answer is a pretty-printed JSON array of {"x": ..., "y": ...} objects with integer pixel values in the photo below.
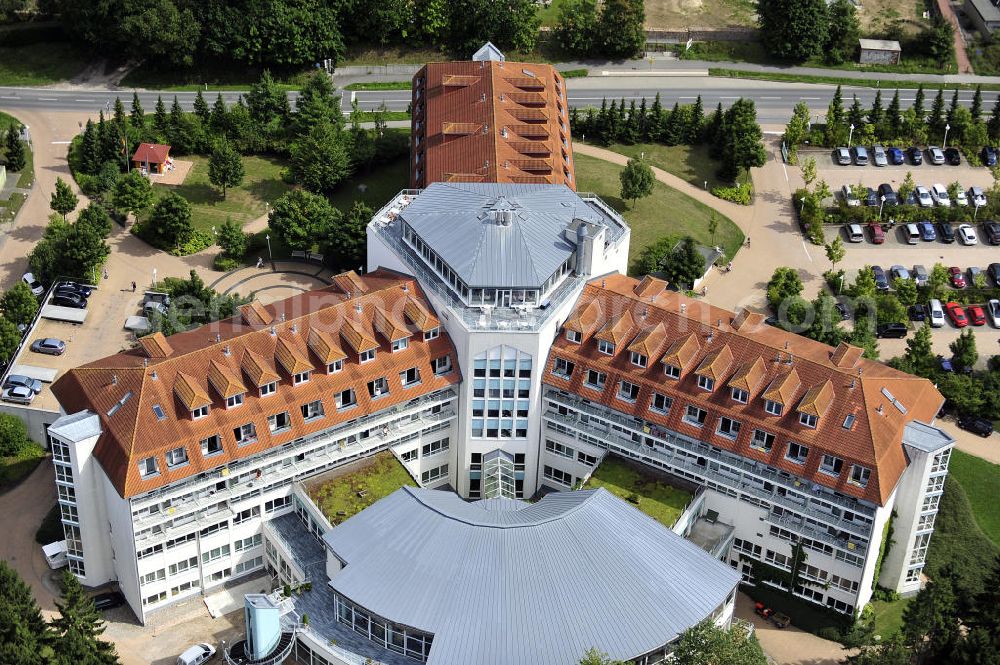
[
  {"x": 976, "y": 315},
  {"x": 957, "y": 277},
  {"x": 956, "y": 314}
]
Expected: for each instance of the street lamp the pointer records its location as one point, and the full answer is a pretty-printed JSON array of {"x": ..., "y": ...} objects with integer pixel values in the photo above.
[
  {"x": 946, "y": 128},
  {"x": 976, "y": 213},
  {"x": 154, "y": 278},
  {"x": 850, "y": 137},
  {"x": 841, "y": 289},
  {"x": 268, "y": 239},
  {"x": 881, "y": 203}
]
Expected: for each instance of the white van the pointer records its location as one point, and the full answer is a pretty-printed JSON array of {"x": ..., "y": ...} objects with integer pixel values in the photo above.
[
  {"x": 196, "y": 655},
  {"x": 912, "y": 234},
  {"x": 854, "y": 233},
  {"x": 935, "y": 313}
]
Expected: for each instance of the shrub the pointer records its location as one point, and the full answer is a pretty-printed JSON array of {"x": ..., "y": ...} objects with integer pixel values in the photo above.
[
  {"x": 199, "y": 241},
  {"x": 13, "y": 435},
  {"x": 829, "y": 633},
  {"x": 574, "y": 73},
  {"x": 740, "y": 194},
  {"x": 223, "y": 263},
  {"x": 834, "y": 279},
  {"x": 885, "y": 595}
]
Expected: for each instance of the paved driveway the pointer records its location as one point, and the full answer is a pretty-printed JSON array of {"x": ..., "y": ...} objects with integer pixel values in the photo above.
[{"x": 789, "y": 646}]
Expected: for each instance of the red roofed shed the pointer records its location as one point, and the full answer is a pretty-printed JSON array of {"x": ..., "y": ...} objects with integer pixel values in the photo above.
[{"x": 151, "y": 156}]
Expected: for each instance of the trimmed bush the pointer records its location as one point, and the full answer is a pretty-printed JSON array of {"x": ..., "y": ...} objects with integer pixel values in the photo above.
[
  {"x": 741, "y": 194},
  {"x": 223, "y": 263}
]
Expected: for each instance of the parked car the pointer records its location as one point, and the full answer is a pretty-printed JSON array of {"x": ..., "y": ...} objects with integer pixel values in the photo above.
[
  {"x": 953, "y": 156},
  {"x": 69, "y": 300},
  {"x": 916, "y": 155},
  {"x": 860, "y": 155},
  {"x": 26, "y": 381},
  {"x": 936, "y": 154},
  {"x": 977, "y": 316},
  {"x": 156, "y": 296},
  {"x": 977, "y": 196},
  {"x": 842, "y": 156},
  {"x": 49, "y": 345},
  {"x": 196, "y": 655},
  {"x": 877, "y": 233},
  {"x": 153, "y": 306},
  {"x": 910, "y": 200},
  {"x": 967, "y": 234},
  {"x": 920, "y": 275},
  {"x": 899, "y": 272},
  {"x": 974, "y": 275},
  {"x": 916, "y": 313},
  {"x": 992, "y": 230},
  {"x": 895, "y": 156},
  {"x": 854, "y": 233},
  {"x": 885, "y": 190},
  {"x": 878, "y": 156},
  {"x": 961, "y": 200},
  {"x": 108, "y": 600},
  {"x": 957, "y": 277},
  {"x": 923, "y": 196},
  {"x": 881, "y": 282},
  {"x": 841, "y": 308},
  {"x": 33, "y": 284},
  {"x": 926, "y": 229},
  {"x": 849, "y": 198},
  {"x": 976, "y": 425},
  {"x": 910, "y": 233},
  {"x": 940, "y": 195},
  {"x": 76, "y": 287},
  {"x": 994, "y": 272},
  {"x": 891, "y": 330},
  {"x": 988, "y": 155},
  {"x": 17, "y": 394},
  {"x": 871, "y": 198},
  {"x": 935, "y": 312},
  {"x": 956, "y": 314},
  {"x": 946, "y": 232},
  {"x": 993, "y": 310}
]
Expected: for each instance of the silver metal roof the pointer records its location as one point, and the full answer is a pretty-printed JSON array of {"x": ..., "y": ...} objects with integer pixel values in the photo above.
[
  {"x": 925, "y": 437},
  {"x": 879, "y": 44},
  {"x": 458, "y": 221},
  {"x": 77, "y": 427},
  {"x": 507, "y": 582}
]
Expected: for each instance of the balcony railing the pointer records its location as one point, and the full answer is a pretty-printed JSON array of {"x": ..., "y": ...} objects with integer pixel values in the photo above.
[{"x": 237, "y": 655}]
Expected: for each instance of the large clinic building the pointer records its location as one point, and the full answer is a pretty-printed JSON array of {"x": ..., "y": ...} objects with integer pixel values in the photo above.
[{"x": 497, "y": 349}]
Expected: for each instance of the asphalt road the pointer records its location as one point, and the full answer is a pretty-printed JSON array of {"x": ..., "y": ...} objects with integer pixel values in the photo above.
[{"x": 774, "y": 100}]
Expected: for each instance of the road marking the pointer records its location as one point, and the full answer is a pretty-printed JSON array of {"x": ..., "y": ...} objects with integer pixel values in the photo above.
[
  {"x": 811, "y": 99},
  {"x": 687, "y": 98},
  {"x": 9, "y": 97},
  {"x": 83, "y": 100},
  {"x": 770, "y": 97},
  {"x": 48, "y": 99},
  {"x": 806, "y": 250},
  {"x": 61, "y": 142},
  {"x": 728, "y": 97}
]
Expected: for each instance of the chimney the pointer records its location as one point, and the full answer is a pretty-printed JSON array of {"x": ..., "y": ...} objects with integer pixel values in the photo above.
[
  {"x": 153, "y": 375},
  {"x": 114, "y": 379},
  {"x": 282, "y": 318},
  {"x": 683, "y": 307},
  {"x": 225, "y": 350},
  {"x": 880, "y": 411},
  {"x": 218, "y": 338},
  {"x": 295, "y": 328},
  {"x": 852, "y": 383},
  {"x": 789, "y": 360},
  {"x": 406, "y": 288},
  {"x": 274, "y": 331},
  {"x": 645, "y": 312},
  {"x": 358, "y": 308},
  {"x": 145, "y": 362}
]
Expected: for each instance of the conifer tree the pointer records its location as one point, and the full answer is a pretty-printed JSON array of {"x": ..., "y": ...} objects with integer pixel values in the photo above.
[
  {"x": 137, "y": 117},
  {"x": 632, "y": 127},
  {"x": 876, "y": 114},
  {"x": 160, "y": 116},
  {"x": 90, "y": 149},
  {"x": 893, "y": 119},
  {"x": 993, "y": 124},
  {"x": 695, "y": 122},
  {"x": 201, "y": 109},
  {"x": 655, "y": 119},
  {"x": 16, "y": 158},
  {"x": 855, "y": 115},
  {"x": 220, "y": 115},
  {"x": 977, "y": 104},
  {"x": 643, "y": 121},
  {"x": 79, "y": 627},
  {"x": 935, "y": 120},
  {"x": 918, "y": 105}
]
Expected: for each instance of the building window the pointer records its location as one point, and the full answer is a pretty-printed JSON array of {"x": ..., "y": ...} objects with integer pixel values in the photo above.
[
  {"x": 77, "y": 568},
  {"x": 410, "y": 455},
  {"x": 148, "y": 467},
  {"x": 672, "y": 371},
  {"x": 234, "y": 401},
  {"x": 912, "y": 575},
  {"x": 155, "y": 598},
  {"x": 433, "y": 333},
  {"x": 797, "y": 453},
  {"x": 410, "y": 377},
  {"x": 268, "y": 389},
  {"x": 346, "y": 399},
  {"x": 277, "y": 504},
  {"x": 860, "y": 475},
  {"x": 808, "y": 420},
  {"x": 605, "y": 347},
  {"x": 432, "y": 475},
  {"x": 740, "y": 395},
  {"x": 215, "y": 553},
  {"x": 247, "y": 543},
  {"x": 661, "y": 403},
  {"x": 441, "y": 365},
  {"x": 596, "y": 379},
  {"x": 638, "y": 359},
  {"x": 301, "y": 377},
  {"x": 584, "y": 458},
  {"x": 200, "y": 412},
  {"x": 728, "y": 428},
  {"x": 628, "y": 392},
  {"x": 249, "y": 564},
  {"x": 181, "y": 588},
  {"x": 706, "y": 383},
  {"x": 245, "y": 434},
  {"x": 335, "y": 366},
  {"x": 246, "y": 515},
  {"x": 400, "y": 345},
  {"x": 557, "y": 448},
  {"x": 435, "y": 447},
  {"x": 69, "y": 513},
  {"x": 558, "y": 476},
  {"x": 312, "y": 410},
  {"x": 378, "y": 387},
  {"x": 211, "y": 446},
  {"x": 831, "y": 465},
  {"x": 574, "y": 336},
  {"x": 562, "y": 367},
  {"x": 365, "y": 356},
  {"x": 695, "y": 416},
  {"x": 774, "y": 408},
  {"x": 279, "y": 422},
  {"x": 155, "y": 576},
  {"x": 181, "y": 566},
  {"x": 177, "y": 457}
]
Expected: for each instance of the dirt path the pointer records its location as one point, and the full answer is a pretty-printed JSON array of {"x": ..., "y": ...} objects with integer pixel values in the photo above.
[{"x": 789, "y": 646}]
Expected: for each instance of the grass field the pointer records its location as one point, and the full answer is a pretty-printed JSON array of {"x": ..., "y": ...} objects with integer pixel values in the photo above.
[
  {"x": 379, "y": 186},
  {"x": 220, "y": 77},
  {"x": 690, "y": 163},
  {"x": 665, "y": 212},
  {"x": 27, "y": 175},
  {"x": 656, "y": 498},
  {"x": 380, "y": 85},
  {"x": 981, "y": 481},
  {"x": 380, "y": 476},
  {"x": 39, "y": 64},
  {"x": 889, "y": 616},
  {"x": 262, "y": 183},
  {"x": 15, "y": 468}
]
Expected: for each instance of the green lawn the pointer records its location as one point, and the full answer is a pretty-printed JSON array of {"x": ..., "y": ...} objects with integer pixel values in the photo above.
[
  {"x": 262, "y": 183},
  {"x": 981, "y": 481},
  {"x": 27, "y": 175},
  {"x": 657, "y": 499},
  {"x": 665, "y": 212},
  {"x": 218, "y": 77},
  {"x": 690, "y": 163},
  {"x": 16, "y": 468},
  {"x": 889, "y": 616},
  {"x": 549, "y": 15},
  {"x": 39, "y": 64},
  {"x": 380, "y": 477},
  {"x": 380, "y": 85},
  {"x": 379, "y": 186}
]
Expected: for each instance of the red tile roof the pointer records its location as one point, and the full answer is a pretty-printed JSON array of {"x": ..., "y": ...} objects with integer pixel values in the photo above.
[
  {"x": 201, "y": 365},
  {"x": 155, "y": 153},
  {"x": 490, "y": 121},
  {"x": 802, "y": 373}
]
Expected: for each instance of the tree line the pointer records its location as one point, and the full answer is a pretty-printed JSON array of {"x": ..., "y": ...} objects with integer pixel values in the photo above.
[{"x": 614, "y": 31}]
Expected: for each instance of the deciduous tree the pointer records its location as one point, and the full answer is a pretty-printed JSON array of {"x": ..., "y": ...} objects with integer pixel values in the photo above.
[
  {"x": 577, "y": 27},
  {"x": 63, "y": 200},
  {"x": 170, "y": 221},
  {"x": 683, "y": 265},
  {"x": 843, "y": 30},
  {"x": 225, "y": 166},
  {"x": 321, "y": 158},
  {"x": 133, "y": 193},
  {"x": 636, "y": 180},
  {"x": 835, "y": 252},
  {"x": 302, "y": 219},
  {"x": 793, "y": 29},
  {"x": 19, "y": 304},
  {"x": 621, "y": 26},
  {"x": 784, "y": 283}
]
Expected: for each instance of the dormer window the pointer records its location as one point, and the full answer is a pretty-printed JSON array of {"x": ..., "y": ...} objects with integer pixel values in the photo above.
[
  {"x": 860, "y": 475},
  {"x": 808, "y": 420},
  {"x": 831, "y": 465},
  {"x": 706, "y": 383},
  {"x": 301, "y": 377},
  {"x": 400, "y": 344},
  {"x": 148, "y": 467},
  {"x": 797, "y": 453},
  {"x": 410, "y": 377},
  {"x": 728, "y": 428},
  {"x": 199, "y": 412},
  {"x": 740, "y": 395},
  {"x": 335, "y": 366},
  {"x": 606, "y": 347},
  {"x": 672, "y": 371},
  {"x": 176, "y": 457},
  {"x": 441, "y": 365},
  {"x": 433, "y": 333},
  {"x": 312, "y": 410},
  {"x": 365, "y": 356},
  {"x": 772, "y": 407},
  {"x": 234, "y": 400},
  {"x": 378, "y": 387},
  {"x": 562, "y": 367},
  {"x": 574, "y": 336},
  {"x": 628, "y": 392},
  {"x": 660, "y": 403},
  {"x": 245, "y": 434},
  {"x": 211, "y": 446},
  {"x": 345, "y": 399},
  {"x": 638, "y": 359},
  {"x": 268, "y": 389}
]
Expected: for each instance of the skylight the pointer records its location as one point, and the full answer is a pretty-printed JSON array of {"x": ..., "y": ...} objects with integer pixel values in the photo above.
[{"x": 158, "y": 410}]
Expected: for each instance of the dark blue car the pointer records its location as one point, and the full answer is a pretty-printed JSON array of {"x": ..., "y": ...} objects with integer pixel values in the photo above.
[
  {"x": 989, "y": 156},
  {"x": 881, "y": 281},
  {"x": 895, "y": 156},
  {"x": 927, "y": 232}
]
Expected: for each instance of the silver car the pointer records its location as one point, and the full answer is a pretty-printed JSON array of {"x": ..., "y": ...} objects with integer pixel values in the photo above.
[
  {"x": 849, "y": 198},
  {"x": 976, "y": 196},
  {"x": 993, "y": 311},
  {"x": 878, "y": 156},
  {"x": 843, "y": 156},
  {"x": 937, "y": 155},
  {"x": 25, "y": 381},
  {"x": 17, "y": 394},
  {"x": 920, "y": 275},
  {"x": 899, "y": 272},
  {"x": 50, "y": 346},
  {"x": 923, "y": 196}
]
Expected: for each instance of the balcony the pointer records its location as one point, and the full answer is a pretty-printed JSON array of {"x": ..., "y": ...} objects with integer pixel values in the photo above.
[{"x": 237, "y": 655}]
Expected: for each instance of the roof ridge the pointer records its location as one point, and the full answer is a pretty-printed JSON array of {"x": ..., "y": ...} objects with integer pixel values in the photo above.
[{"x": 417, "y": 493}]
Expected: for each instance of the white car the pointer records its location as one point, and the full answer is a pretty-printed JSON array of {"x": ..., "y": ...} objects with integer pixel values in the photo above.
[
  {"x": 35, "y": 286},
  {"x": 993, "y": 311},
  {"x": 878, "y": 154},
  {"x": 940, "y": 195},
  {"x": 849, "y": 198},
  {"x": 967, "y": 234},
  {"x": 961, "y": 199},
  {"x": 197, "y": 654},
  {"x": 923, "y": 196},
  {"x": 977, "y": 196}
]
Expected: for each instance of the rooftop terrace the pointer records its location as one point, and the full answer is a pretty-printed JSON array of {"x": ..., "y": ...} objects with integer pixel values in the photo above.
[
  {"x": 346, "y": 491},
  {"x": 649, "y": 491}
]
